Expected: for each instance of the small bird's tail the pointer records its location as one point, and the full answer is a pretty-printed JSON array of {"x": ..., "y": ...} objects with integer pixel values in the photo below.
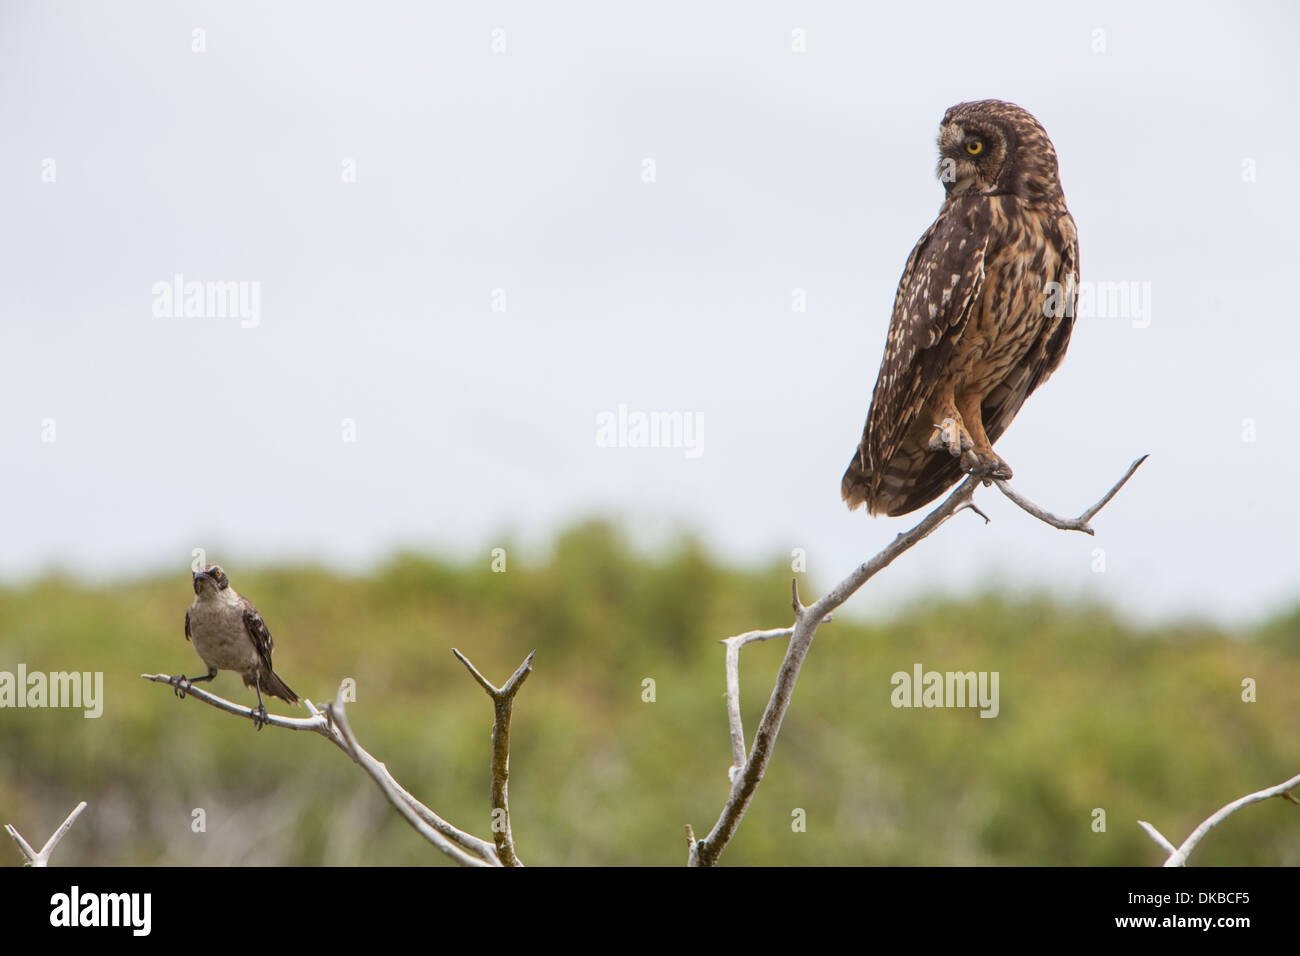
[{"x": 272, "y": 685}]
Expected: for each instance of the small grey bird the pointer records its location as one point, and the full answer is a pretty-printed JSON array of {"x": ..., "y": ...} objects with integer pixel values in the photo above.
[{"x": 230, "y": 635}]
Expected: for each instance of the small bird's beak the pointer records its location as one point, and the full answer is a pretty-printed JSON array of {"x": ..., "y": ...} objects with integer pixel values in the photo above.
[{"x": 202, "y": 574}]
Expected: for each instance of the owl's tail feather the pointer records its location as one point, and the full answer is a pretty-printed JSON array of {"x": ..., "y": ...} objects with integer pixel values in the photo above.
[
  {"x": 901, "y": 487},
  {"x": 855, "y": 489}
]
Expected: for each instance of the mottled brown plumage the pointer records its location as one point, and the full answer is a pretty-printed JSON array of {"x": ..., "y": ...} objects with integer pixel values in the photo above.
[{"x": 982, "y": 317}]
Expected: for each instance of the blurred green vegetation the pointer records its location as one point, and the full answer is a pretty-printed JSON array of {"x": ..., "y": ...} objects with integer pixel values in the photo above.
[{"x": 1095, "y": 713}]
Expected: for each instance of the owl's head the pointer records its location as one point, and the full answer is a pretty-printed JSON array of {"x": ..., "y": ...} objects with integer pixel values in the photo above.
[{"x": 990, "y": 147}]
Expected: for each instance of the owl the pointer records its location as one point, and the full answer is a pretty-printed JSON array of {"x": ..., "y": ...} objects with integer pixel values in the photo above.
[{"x": 982, "y": 316}]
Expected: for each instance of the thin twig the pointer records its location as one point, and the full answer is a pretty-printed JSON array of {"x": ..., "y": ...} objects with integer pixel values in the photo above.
[
  {"x": 733, "y": 701},
  {"x": 503, "y": 700},
  {"x": 733, "y": 645},
  {"x": 693, "y": 846},
  {"x": 1178, "y": 857},
  {"x": 42, "y": 857},
  {"x": 24, "y": 847},
  {"x": 745, "y": 780},
  {"x": 1159, "y": 837}
]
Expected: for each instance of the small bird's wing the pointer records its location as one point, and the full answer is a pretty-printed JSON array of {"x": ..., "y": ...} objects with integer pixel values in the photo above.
[
  {"x": 940, "y": 284},
  {"x": 187, "y": 626},
  {"x": 267, "y": 680},
  {"x": 258, "y": 632}
]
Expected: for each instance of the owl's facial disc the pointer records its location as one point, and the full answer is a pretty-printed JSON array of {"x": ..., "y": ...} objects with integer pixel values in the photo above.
[{"x": 969, "y": 158}]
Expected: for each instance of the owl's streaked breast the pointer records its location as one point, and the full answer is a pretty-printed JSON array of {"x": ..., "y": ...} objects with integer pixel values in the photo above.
[{"x": 1009, "y": 315}]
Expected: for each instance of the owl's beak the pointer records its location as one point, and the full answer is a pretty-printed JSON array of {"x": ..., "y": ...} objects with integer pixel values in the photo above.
[{"x": 958, "y": 186}]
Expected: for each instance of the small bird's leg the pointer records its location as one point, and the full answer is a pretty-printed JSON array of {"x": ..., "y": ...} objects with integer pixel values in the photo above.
[
  {"x": 259, "y": 716},
  {"x": 176, "y": 682}
]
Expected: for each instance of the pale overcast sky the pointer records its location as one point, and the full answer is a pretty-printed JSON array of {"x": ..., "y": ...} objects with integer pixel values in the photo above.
[{"x": 460, "y": 263}]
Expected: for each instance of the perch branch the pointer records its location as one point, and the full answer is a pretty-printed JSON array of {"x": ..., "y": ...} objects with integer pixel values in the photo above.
[
  {"x": 1069, "y": 524},
  {"x": 1178, "y": 857},
  {"x": 747, "y": 771},
  {"x": 42, "y": 858},
  {"x": 503, "y": 701},
  {"x": 464, "y": 848}
]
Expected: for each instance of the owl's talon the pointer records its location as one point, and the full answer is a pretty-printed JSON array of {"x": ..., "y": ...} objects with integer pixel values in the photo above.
[
  {"x": 951, "y": 435},
  {"x": 986, "y": 465}
]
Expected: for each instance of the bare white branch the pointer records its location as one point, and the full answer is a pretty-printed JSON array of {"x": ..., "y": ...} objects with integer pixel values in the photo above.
[
  {"x": 315, "y": 723},
  {"x": 396, "y": 795},
  {"x": 331, "y": 723},
  {"x": 747, "y": 770},
  {"x": 1069, "y": 524},
  {"x": 733, "y": 645},
  {"x": 42, "y": 857},
  {"x": 1178, "y": 857}
]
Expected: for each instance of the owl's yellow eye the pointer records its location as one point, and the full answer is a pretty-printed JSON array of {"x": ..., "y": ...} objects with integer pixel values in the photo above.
[{"x": 975, "y": 147}]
